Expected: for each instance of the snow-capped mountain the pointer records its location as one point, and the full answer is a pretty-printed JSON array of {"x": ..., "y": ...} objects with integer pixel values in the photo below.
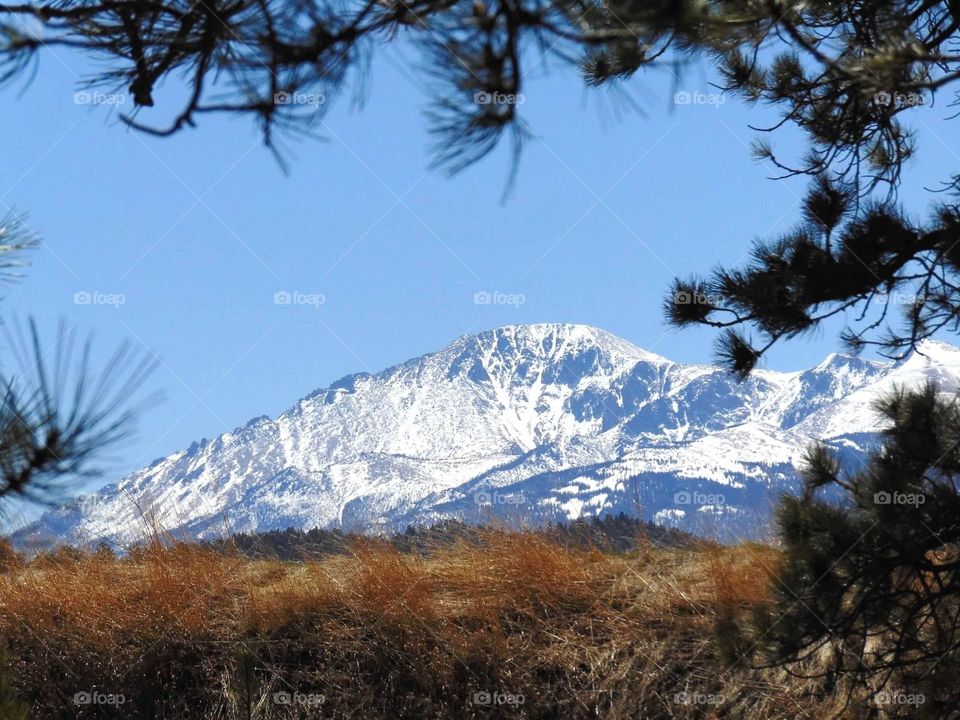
[{"x": 523, "y": 424}]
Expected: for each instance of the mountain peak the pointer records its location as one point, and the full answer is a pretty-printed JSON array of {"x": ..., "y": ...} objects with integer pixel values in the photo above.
[
  {"x": 937, "y": 350},
  {"x": 932, "y": 360},
  {"x": 837, "y": 360},
  {"x": 557, "y": 337},
  {"x": 574, "y": 420}
]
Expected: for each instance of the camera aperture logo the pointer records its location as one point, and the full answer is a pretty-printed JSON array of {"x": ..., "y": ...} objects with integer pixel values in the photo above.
[
  {"x": 685, "y": 297},
  {"x": 295, "y": 297},
  {"x": 697, "y": 698},
  {"x": 299, "y": 699},
  {"x": 490, "y": 699},
  {"x": 497, "y": 498},
  {"x": 886, "y": 697},
  {"x": 93, "y": 697},
  {"x": 284, "y": 97},
  {"x": 899, "y": 99},
  {"x": 694, "y": 497},
  {"x": 685, "y": 97},
  {"x": 95, "y": 297},
  {"x": 482, "y": 97},
  {"x": 486, "y": 297},
  {"x": 86, "y": 97},
  {"x": 898, "y": 498}
]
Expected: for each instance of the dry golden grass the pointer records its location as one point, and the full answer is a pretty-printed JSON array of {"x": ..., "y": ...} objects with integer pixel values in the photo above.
[{"x": 182, "y": 632}]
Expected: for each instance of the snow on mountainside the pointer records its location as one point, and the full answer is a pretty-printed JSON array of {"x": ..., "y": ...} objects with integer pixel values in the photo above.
[{"x": 527, "y": 423}]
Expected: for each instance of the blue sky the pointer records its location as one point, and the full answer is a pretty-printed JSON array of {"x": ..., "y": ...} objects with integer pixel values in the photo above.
[{"x": 199, "y": 232}]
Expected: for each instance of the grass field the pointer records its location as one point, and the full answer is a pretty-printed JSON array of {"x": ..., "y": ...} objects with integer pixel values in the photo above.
[{"x": 514, "y": 626}]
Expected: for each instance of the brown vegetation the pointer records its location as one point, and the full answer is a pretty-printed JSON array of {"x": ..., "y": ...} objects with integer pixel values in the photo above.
[{"x": 537, "y": 629}]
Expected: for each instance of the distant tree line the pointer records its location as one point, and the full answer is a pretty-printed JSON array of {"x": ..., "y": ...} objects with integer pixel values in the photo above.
[{"x": 608, "y": 533}]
